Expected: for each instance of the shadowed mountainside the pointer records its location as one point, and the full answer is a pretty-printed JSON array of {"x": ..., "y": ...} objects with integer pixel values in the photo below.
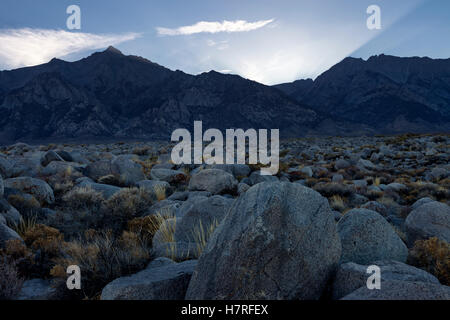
[{"x": 111, "y": 95}]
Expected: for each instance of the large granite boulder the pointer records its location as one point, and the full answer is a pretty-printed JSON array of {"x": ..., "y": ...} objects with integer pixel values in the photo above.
[{"x": 278, "y": 241}]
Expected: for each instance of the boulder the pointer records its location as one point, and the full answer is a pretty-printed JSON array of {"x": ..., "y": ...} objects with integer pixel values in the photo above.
[
  {"x": 107, "y": 190},
  {"x": 179, "y": 251},
  {"x": 278, "y": 241},
  {"x": 439, "y": 173},
  {"x": 58, "y": 167},
  {"x": 256, "y": 177},
  {"x": 366, "y": 237},
  {"x": 7, "y": 234},
  {"x": 21, "y": 167},
  {"x": 396, "y": 187},
  {"x": 200, "y": 217},
  {"x": 341, "y": 164},
  {"x": 11, "y": 215},
  {"x": 2, "y": 187},
  {"x": 168, "y": 175},
  {"x": 351, "y": 276},
  {"x": 36, "y": 187},
  {"x": 307, "y": 171},
  {"x": 377, "y": 207},
  {"x": 37, "y": 289},
  {"x": 242, "y": 188},
  {"x": 66, "y": 156},
  {"x": 154, "y": 187},
  {"x": 164, "y": 207},
  {"x": 213, "y": 180},
  {"x": 5, "y": 167},
  {"x": 420, "y": 202},
  {"x": 402, "y": 290},
  {"x": 168, "y": 281},
  {"x": 365, "y": 165},
  {"x": 238, "y": 170},
  {"x": 429, "y": 220},
  {"x": 337, "y": 178},
  {"x": 50, "y": 156},
  {"x": 127, "y": 171},
  {"x": 98, "y": 169}
]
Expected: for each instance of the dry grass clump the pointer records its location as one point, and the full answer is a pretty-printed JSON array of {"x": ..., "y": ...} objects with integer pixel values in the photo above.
[
  {"x": 420, "y": 189},
  {"x": 129, "y": 203},
  {"x": 432, "y": 255},
  {"x": 10, "y": 280},
  {"x": 337, "y": 203},
  {"x": 102, "y": 257},
  {"x": 331, "y": 189},
  {"x": 26, "y": 205},
  {"x": 160, "y": 192},
  {"x": 34, "y": 256},
  {"x": 146, "y": 227},
  {"x": 63, "y": 181},
  {"x": 111, "y": 180},
  {"x": 141, "y": 151},
  {"x": 83, "y": 198},
  {"x": 147, "y": 165},
  {"x": 201, "y": 234},
  {"x": 46, "y": 239}
]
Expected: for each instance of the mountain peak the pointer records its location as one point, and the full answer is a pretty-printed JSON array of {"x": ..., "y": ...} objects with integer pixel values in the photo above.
[{"x": 111, "y": 49}]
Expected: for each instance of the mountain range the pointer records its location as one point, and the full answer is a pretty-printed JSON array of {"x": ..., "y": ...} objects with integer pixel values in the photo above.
[{"x": 109, "y": 95}]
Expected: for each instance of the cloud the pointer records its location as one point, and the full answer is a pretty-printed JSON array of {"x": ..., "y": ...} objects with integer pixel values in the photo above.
[
  {"x": 221, "y": 45},
  {"x": 27, "y": 47},
  {"x": 214, "y": 27}
]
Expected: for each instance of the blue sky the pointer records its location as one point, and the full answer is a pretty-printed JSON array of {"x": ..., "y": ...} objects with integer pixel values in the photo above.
[{"x": 275, "y": 41}]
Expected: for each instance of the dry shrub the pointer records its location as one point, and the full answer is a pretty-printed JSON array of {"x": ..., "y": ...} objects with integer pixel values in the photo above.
[
  {"x": 146, "y": 165},
  {"x": 46, "y": 244},
  {"x": 102, "y": 257},
  {"x": 432, "y": 255},
  {"x": 337, "y": 203},
  {"x": 10, "y": 280},
  {"x": 23, "y": 258},
  {"x": 111, "y": 180},
  {"x": 129, "y": 203},
  {"x": 160, "y": 192},
  {"x": 44, "y": 238},
  {"x": 26, "y": 205},
  {"x": 141, "y": 151},
  {"x": 331, "y": 189},
  {"x": 83, "y": 198},
  {"x": 146, "y": 227}
]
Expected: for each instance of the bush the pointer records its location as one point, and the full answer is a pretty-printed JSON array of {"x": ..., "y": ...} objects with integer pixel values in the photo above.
[
  {"x": 432, "y": 255},
  {"x": 46, "y": 244},
  {"x": 83, "y": 198},
  {"x": 337, "y": 203},
  {"x": 10, "y": 281},
  {"x": 331, "y": 189},
  {"x": 129, "y": 203},
  {"x": 102, "y": 257},
  {"x": 146, "y": 227},
  {"x": 26, "y": 205}
]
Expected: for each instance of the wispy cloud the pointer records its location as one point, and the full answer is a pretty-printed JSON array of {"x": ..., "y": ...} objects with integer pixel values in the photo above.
[
  {"x": 214, "y": 27},
  {"x": 220, "y": 45},
  {"x": 27, "y": 47}
]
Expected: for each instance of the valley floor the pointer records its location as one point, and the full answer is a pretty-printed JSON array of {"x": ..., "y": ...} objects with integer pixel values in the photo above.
[{"x": 140, "y": 227}]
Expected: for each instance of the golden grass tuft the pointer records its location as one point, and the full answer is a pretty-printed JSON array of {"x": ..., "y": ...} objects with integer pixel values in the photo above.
[{"x": 432, "y": 255}]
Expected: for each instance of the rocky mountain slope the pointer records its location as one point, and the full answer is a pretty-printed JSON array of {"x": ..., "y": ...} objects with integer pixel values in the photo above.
[
  {"x": 385, "y": 94},
  {"x": 109, "y": 94},
  {"x": 114, "y": 96}
]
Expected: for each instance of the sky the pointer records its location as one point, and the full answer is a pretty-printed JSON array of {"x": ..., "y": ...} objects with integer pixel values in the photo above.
[{"x": 267, "y": 41}]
